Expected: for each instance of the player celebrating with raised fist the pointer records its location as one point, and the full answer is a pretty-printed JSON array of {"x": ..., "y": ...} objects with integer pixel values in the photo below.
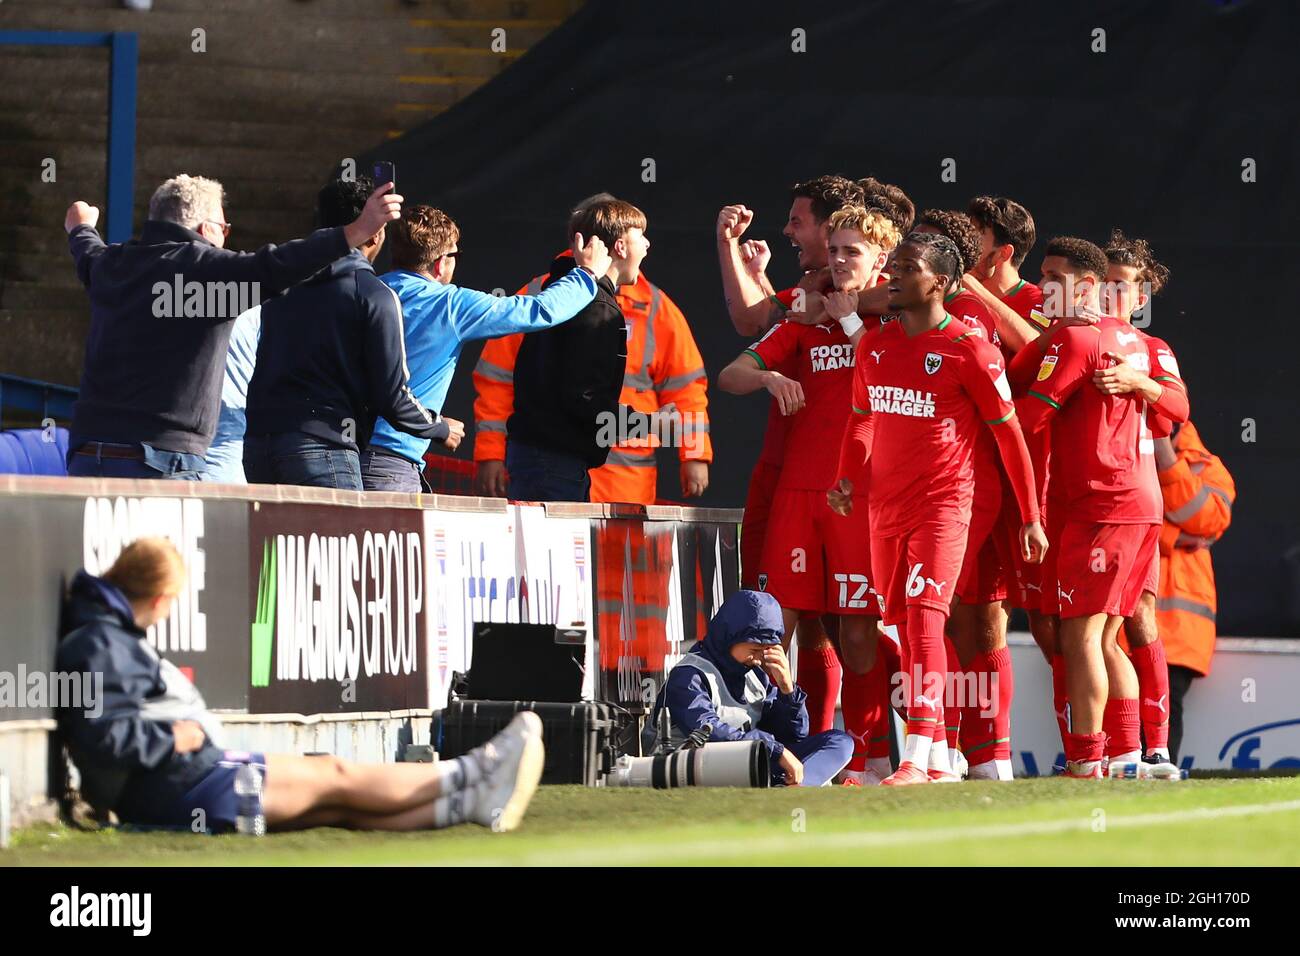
[{"x": 917, "y": 410}]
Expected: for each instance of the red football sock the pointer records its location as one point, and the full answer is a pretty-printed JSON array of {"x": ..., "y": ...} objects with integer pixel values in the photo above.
[
  {"x": 860, "y": 703},
  {"x": 1060, "y": 696},
  {"x": 1084, "y": 747},
  {"x": 928, "y": 661},
  {"x": 953, "y": 683},
  {"x": 1120, "y": 724},
  {"x": 1153, "y": 689},
  {"x": 985, "y": 721},
  {"x": 819, "y": 676}
]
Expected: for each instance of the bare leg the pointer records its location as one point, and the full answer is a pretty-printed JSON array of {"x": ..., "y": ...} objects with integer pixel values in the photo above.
[
  {"x": 1140, "y": 629},
  {"x": 417, "y": 818},
  {"x": 990, "y": 627},
  {"x": 962, "y": 625},
  {"x": 1044, "y": 627},
  {"x": 790, "y": 619},
  {"x": 297, "y": 785},
  {"x": 1120, "y": 675},
  {"x": 858, "y": 642},
  {"x": 1081, "y": 645}
]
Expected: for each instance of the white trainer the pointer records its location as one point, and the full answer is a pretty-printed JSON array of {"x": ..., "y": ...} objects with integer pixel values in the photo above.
[{"x": 512, "y": 763}]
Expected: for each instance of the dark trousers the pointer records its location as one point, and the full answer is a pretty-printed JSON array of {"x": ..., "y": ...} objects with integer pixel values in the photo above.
[
  {"x": 542, "y": 474},
  {"x": 152, "y": 462},
  {"x": 292, "y": 458},
  {"x": 1180, "y": 681},
  {"x": 386, "y": 471}
]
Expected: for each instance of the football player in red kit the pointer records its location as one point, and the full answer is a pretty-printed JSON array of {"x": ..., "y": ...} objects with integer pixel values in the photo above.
[
  {"x": 1133, "y": 276},
  {"x": 978, "y": 658},
  {"x": 917, "y": 410},
  {"x": 1105, "y": 514},
  {"x": 814, "y": 561}
]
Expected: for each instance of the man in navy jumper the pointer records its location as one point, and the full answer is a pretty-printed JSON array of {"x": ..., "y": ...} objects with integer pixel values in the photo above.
[{"x": 161, "y": 311}]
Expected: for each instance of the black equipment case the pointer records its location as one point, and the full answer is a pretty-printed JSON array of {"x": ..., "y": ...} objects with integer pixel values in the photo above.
[{"x": 583, "y": 739}]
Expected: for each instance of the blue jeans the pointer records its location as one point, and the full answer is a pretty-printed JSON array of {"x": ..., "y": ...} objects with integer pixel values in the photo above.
[
  {"x": 292, "y": 458},
  {"x": 156, "y": 463},
  {"x": 387, "y": 471},
  {"x": 822, "y": 755},
  {"x": 540, "y": 474}
]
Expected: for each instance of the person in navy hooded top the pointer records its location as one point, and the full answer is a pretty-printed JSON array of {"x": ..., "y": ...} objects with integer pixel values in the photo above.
[{"x": 738, "y": 681}]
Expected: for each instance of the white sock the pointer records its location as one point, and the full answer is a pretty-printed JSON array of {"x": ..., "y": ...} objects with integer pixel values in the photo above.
[
  {"x": 1131, "y": 756},
  {"x": 454, "y": 808},
  {"x": 992, "y": 770},
  {"x": 939, "y": 756},
  {"x": 880, "y": 765},
  {"x": 916, "y": 750}
]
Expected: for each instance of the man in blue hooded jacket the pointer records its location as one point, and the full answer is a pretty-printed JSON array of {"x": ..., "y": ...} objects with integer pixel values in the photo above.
[{"x": 738, "y": 682}]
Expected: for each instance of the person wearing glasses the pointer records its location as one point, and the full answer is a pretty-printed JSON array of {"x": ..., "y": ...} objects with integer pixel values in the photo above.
[
  {"x": 441, "y": 317},
  {"x": 161, "y": 310}
]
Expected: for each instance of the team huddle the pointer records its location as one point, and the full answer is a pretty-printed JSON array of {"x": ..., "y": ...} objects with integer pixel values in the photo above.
[{"x": 947, "y": 440}]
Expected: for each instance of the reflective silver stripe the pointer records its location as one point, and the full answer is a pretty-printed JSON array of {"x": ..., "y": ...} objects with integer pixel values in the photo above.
[
  {"x": 1182, "y": 604},
  {"x": 494, "y": 372},
  {"x": 638, "y": 381},
  {"x": 534, "y": 287},
  {"x": 632, "y": 461},
  {"x": 1179, "y": 515},
  {"x": 679, "y": 381},
  {"x": 1196, "y": 468},
  {"x": 1222, "y": 496},
  {"x": 639, "y": 610},
  {"x": 648, "y": 350},
  {"x": 694, "y": 426},
  {"x": 491, "y": 425},
  {"x": 1185, "y": 540}
]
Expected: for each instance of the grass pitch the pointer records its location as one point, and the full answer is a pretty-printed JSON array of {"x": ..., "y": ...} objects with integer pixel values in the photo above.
[{"x": 1026, "y": 822}]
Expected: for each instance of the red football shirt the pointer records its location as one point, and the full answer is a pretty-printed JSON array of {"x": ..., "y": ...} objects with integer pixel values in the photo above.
[
  {"x": 773, "y": 452},
  {"x": 1023, "y": 298},
  {"x": 1164, "y": 369},
  {"x": 821, "y": 360},
  {"x": 968, "y": 308},
  {"x": 1097, "y": 440},
  {"x": 929, "y": 396}
]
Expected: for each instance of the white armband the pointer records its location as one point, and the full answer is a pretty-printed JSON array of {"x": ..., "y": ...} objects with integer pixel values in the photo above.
[{"x": 850, "y": 324}]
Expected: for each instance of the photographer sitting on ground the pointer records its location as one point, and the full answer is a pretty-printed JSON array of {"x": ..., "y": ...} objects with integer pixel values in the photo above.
[
  {"x": 150, "y": 755},
  {"x": 738, "y": 682}
]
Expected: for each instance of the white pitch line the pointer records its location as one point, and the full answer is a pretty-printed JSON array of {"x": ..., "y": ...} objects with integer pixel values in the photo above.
[{"x": 713, "y": 848}]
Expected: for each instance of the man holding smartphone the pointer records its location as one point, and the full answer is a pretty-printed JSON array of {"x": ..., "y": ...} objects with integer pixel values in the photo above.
[{"x": 331, "y": 358}]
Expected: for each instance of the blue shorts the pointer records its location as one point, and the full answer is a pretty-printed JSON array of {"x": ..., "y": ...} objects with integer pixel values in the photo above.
[{"x": 215, "y": 793}]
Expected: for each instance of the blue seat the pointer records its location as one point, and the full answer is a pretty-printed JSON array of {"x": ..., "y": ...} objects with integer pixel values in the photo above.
[{"x": 24, "y": 451}]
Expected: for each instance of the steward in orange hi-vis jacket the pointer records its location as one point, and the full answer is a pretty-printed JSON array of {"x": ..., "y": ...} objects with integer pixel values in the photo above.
[
  {"x": 664, "y": 367},
  {"x": 1198, "y": 496}
]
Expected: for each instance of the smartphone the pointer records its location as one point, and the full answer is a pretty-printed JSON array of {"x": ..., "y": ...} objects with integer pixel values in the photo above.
[{"x": 385, "y": 172}]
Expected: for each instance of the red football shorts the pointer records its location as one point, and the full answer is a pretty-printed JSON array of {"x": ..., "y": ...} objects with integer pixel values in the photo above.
[
  {"x": 983, "y": 577},
  {"x": 753, "y": 526},
  {"x": 816, "y": 560},
  {"x": 1104, "y": 568},
  {"x": 919, "y": 566}
]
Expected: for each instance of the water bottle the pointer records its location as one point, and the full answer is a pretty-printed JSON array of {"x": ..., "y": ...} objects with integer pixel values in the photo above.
[{"x": 249, "y": 819}]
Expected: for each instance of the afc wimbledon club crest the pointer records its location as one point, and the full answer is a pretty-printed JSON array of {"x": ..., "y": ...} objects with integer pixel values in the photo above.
[
  {"x": 762, "y": 582},
  {"x": 932, "y": 362}
]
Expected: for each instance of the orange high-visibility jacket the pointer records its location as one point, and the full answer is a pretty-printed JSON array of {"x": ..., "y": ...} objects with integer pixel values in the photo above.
[
  {"x": 663, "y": 365},
  {"x": 1198, "y": 495}
]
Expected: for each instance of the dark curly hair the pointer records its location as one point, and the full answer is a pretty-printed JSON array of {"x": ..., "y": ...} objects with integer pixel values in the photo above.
[
  {"x": 827, "y": 194},
  {"x": 940, "y": 253},
  {"x": 891, "y": 200},
  {"x": 1123, "y": 251},
  {"x": 1009, "y": 222},
  {"x": 958, "y": 227},
  {"x": 341, "y": 201},
  {"x": 1082, "y": 255}
]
